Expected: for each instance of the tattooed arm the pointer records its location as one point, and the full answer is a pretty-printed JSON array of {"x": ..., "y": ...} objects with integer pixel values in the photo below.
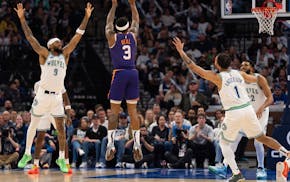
[
  {"x": 110, "y": 33},
  {"x": 206, "y": 74},
  {"x": 40, "y": 50}
]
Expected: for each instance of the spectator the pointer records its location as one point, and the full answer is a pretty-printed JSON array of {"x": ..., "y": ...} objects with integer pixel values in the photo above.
[
  {"x": 193, "y": 98},
  {"x": 78, "y": 141},
  {"x": 201, "y": 137},
  {"x": 9, "y": 148},
  {"x": 93, "y": 139},
  {"x": 147, "y": 149},
  {"x": 121, "y": 136},
  {"x": 278, "y": 96},
  {"x": 161, "y": 143}
]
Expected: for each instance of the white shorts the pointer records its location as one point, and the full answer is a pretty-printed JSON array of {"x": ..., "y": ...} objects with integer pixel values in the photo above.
[
  {"x": 45, "y": 123},
  {"x": 243, "y": 119},
  {"x": 47, "y": 104}
]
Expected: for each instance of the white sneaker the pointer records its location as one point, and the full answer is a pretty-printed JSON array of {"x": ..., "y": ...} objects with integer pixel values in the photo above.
[
  {"x": 129, "y": 165},
  {"x": 102, "y": 165},
  {"x": 282, "y": 170},
  {"x": 81, "y": 152},
  {"x": 83, "y": 165},
  {"x": 97, "y": 165},
  {"x": 73, "y": 165},
  {"x": 118, "y": 165}
]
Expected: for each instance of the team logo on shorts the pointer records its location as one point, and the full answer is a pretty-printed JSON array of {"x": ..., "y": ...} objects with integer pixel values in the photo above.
[
  {"x": 35, "y": 102},
  {"x": 224, "y": 126}
]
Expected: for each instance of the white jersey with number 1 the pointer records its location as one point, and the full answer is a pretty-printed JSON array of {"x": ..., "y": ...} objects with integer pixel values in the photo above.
[
  {"x": 53, "y": 73},
  {"x": 232, "y": 92}
]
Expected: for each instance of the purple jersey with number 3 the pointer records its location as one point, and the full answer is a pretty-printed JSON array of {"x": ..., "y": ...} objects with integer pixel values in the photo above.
[
  {"x": 125, "y": 79},
  {"x": 123, "y": 53}
]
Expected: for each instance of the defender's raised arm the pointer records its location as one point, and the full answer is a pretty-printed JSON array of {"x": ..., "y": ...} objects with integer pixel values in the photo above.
[{"x": 42, "y": 51}]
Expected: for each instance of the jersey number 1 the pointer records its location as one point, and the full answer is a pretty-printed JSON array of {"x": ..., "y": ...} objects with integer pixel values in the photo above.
[
  {"x": 237, "y": 92},
  {"x": 127, "y": 52}
]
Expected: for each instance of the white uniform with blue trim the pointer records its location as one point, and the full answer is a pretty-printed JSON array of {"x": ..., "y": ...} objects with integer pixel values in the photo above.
[
  {"x": 257, "y": 98},
  {"x": 240, "y": 114},
  {"x": 48, "y": 99}
]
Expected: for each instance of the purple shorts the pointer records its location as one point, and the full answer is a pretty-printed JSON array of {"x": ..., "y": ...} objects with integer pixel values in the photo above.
[{"x": 124, "y": 85}]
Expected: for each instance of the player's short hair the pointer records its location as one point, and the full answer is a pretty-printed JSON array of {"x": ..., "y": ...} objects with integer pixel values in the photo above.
[
  {"x": 224, "y": 60},
  {"x": 122, "y": 24}
]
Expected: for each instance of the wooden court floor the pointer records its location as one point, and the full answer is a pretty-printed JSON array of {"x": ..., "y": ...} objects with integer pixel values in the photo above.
[{"x": 122, "y": 175}]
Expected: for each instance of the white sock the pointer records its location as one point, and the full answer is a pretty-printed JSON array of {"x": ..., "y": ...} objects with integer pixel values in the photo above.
[
  {"x": 229, "y": 156},
  {"x": 61, "y": 154},
  {"x": 36, "y": 162},
  {"x": 260, "y": 153},
  {"x": 67, "y": 161},
  {"x": 111, "y": 134},
  {"x": 31, "y": 131},
  {"x": 283, "y": 151},
  {"x": 136, "y": 136}
]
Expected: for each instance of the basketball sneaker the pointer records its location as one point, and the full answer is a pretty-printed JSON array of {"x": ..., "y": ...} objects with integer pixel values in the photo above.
[
  {"x": 137, "y": 150},
  {"x": 111, "y": 150},
  {"x": 110, "y": 153},
  {"x": 221, "y": 170},
  {"x": 34, "y": 170},
  {"x": 24, "y": 160},
  {"x": 62, "y": 165},
  {"x": 237, "y": 178},
  {"x": 282, "y": 170},
  {"x": 69, "y": 169},
  {"x": 261, "y": 174}
]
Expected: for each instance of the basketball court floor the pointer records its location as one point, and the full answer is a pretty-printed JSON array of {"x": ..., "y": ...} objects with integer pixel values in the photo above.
[{"x": 123, "y": 175}]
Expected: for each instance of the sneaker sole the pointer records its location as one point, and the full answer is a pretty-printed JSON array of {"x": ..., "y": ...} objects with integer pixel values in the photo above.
[
  {"x": 279, "y": 171},
  {"x": 216, "y": 173}
]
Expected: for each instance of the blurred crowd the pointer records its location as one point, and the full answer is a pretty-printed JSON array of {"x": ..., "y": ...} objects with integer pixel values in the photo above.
[{"x": 174, "y": 119}]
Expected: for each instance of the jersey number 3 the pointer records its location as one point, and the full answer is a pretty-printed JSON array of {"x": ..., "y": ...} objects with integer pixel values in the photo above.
[
  {"x": 55, "y": 71},
  {"x": 127, "y": 52}
]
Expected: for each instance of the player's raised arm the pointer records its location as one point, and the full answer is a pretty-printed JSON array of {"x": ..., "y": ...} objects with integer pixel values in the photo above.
[
  {"x": 79, "y": 32},
  {"x": 206, "y": 74},
  {"x": 135, "y": 18},
  {"x": 110, "y": 33},
  {"x": 42, "y": 51}
]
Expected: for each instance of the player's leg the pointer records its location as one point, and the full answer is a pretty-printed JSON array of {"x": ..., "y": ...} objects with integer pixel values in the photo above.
[
  {"x": 132, "y": 97},
  {"x": 115, "y": 95},
  {"x": 230, "y": 128},
  {"x": 38, "y": 147},
  {"x": 59, "y": 121},
  {"x": 39, "y": 107},
  {"x": 260, "y": 151}
]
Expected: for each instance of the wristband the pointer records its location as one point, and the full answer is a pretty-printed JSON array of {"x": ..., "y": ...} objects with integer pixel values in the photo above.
[
  {"x": 79, "y": 31},
  {"x": 67, "y": 107}
]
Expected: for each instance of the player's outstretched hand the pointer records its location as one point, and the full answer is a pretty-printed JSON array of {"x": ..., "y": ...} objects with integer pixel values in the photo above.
[
  {"x": 178, "y": 44},
  {"x": 20, "y": 10},
  {"x": 89, "y": 9}
]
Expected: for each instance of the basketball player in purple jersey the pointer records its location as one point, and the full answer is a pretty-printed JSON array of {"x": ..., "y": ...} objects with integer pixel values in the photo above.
[{"x": 125, "y": 80}]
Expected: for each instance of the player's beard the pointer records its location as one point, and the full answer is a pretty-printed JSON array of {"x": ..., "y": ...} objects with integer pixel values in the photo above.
[
  {"x": 248, "y": 71},
  {"x": 58, "y": 50}
]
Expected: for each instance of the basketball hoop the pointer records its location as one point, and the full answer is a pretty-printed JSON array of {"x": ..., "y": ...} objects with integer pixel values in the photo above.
[{"x": 266, "y": 17}]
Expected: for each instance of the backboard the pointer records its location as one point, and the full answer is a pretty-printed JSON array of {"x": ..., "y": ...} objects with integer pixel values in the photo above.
[{"x": 241, "y": 9}]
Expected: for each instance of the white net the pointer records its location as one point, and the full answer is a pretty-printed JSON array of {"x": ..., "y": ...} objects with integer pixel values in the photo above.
[{"x": 266, "y": 17}]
